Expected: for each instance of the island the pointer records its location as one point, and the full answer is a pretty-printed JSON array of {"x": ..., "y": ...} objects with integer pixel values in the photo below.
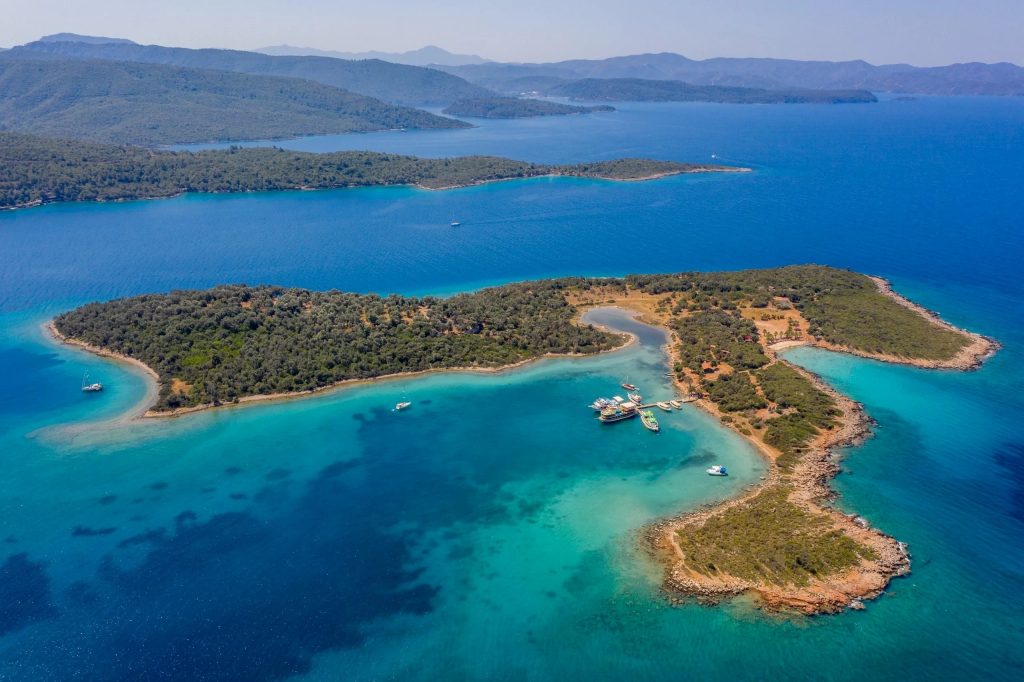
[
  {"x": 36, "y": 170},
  {"x": 517, "y": 107},
  {"x": 782, "y": 541},
  {"x": 645, "y": 90}
]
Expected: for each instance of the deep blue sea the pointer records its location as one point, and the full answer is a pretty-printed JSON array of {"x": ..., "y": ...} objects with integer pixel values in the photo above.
[{"x": 489, "y": 532}]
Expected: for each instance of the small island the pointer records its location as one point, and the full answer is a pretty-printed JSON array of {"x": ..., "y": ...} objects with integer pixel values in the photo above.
[
  {"x": 517, "y": 107},
  {"x": 644, "y": 90},
  {"x": 36, "y": 171},
  {"x": 780, "y": 541}
]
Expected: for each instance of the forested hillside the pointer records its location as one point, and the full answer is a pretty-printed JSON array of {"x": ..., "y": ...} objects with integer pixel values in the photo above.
[
  {"x": 37, "y": 170},
  {"x": 396, "y": 83},
  {"x": 152, "y": 104}
]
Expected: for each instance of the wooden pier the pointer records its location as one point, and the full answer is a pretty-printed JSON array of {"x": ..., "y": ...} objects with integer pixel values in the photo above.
[{"x": 650, "y": 405}]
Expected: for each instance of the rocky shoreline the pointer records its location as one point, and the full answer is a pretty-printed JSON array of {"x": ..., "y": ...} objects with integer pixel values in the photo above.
[
  {"x": 811, "y": 490},
  {"x": 810, "y": 481}
]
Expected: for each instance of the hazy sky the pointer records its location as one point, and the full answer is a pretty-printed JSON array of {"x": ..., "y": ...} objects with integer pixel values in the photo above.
[{"x": 923, "y": 32}]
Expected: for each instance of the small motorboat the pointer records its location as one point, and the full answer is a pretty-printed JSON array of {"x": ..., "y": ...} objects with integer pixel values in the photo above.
[
  {"x": 636, "y": 398},
  {"x": 629, "y": 387},
  {"x": 402, "y": 405},
  {"x": 665, "y": 406},
  {"x": 676, "y": 404},
  {"x": 718, "y": 470}
]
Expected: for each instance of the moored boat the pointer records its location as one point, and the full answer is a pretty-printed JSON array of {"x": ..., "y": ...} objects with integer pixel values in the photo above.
[
  {"x": 90, "y": 387},
  {"x": 718, "y": 470},
  {"x": 665, "y": 406},
  {"x": 636, "y": 398},
  {"x": 676, "y": 404},
  {"x": 628, "y": 386},
  {"x": 617, "y": 413},
  {"x": 650, "y": 421},
  {"x": 602, "y": 403}
]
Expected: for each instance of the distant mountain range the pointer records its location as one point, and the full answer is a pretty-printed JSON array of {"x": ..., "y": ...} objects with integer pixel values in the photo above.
[
  {"x": 395, "y": 83},
  {"x": 79, "y": 38},
  {"x": 772, "y": 74},
  {"x": 430, "y": 55},
  {"x": 154, "y": 104},
  {"x": 69, "y": 85}
]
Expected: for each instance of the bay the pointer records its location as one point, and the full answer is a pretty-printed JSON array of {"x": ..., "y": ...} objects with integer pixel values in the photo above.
[{"x": 490, "y": 531}]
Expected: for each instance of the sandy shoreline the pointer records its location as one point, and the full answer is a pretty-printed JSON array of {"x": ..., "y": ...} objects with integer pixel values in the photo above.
[{"x": 144, "y": 410}]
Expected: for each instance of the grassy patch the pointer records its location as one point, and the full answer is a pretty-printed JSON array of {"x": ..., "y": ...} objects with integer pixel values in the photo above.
[{"x": 772, "y": 540}]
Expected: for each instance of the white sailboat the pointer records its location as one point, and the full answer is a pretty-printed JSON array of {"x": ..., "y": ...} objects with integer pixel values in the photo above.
[{"x": 90, "y": 387}]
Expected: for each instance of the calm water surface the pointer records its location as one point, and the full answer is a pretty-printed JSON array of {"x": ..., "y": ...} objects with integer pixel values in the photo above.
[{"x": 489, "y": 532}]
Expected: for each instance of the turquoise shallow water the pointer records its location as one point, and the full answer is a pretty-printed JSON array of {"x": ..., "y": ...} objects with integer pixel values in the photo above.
[{"x": 489, "y": 532}]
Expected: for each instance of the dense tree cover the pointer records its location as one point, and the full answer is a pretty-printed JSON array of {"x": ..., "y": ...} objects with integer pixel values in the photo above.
[
  {"x": 806, "y": 410},
  {"x": 851, "y": 318},
  {"x": 770, "y": 539},
  {"x": 843, "y": 307},
  {"x": 397, "y": 83},
  {"x": 643, "y": 90},
  {"x": 718, "y": 336},
  {"x": 232, "y": 341},
  {"x": 733, "y": 392},
  {"x": 515, "y": 107},
  {"x": 38, "y": 170},
  {"x": 155, "y": 104}
]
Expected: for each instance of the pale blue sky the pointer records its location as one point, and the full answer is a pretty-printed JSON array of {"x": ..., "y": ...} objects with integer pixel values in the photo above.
[{"x": 924, "y": 32}]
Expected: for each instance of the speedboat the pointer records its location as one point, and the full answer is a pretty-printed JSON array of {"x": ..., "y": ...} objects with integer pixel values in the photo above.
[
  {"x": 650, "y": 421},
  {"x": 402, "y": 405},
  {"x": 665, "y": 406},
  {"x": 718, "y": 470},
  {"x": 676, "y": 404},
  {"x": 636, "y": 398}
]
